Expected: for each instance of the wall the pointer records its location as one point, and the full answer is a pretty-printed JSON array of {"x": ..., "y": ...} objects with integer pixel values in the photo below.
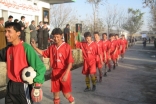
[{"x": 17, "y": 8}]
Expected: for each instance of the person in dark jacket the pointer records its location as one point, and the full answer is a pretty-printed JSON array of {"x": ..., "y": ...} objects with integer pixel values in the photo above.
[
  {"x": 22, "y": 36},
  {"x": 66, "y": 33},
  {"x": 45, "y": 36},
  {"x": 40, "y": 35},
  {"x": 10, "y": 18}
]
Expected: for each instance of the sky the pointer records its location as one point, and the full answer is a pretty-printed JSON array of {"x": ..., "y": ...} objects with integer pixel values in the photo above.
[{"x": 82, "y": 8}]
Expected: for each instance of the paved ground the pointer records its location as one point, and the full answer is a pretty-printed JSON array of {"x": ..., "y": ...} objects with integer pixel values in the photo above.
[{"x": 133, "y": 82}]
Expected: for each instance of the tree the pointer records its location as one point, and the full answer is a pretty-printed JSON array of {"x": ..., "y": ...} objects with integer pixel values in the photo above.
[
  {"x": 95, "y": 5},
  {"x": 134, "y": 21},
  {"x": 112, "y": 18},
  {"x": 149, "y": 3},
  {"x": 61, "y": 14},
  {"x": 152, "y": 21}
]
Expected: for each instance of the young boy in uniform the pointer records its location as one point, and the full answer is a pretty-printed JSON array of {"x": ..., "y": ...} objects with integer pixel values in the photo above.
[
  {"x": 124, "y": 45},
  {"x": 118, "y": 40},
  {"x": 61, "y": 60},
  {"x": 106, "y": 52},
  {"x": 18, "y": 56},
  {"x": 99, "y": 60},
  {"x": 113, "y": 49},
  {"x": 90, "y": 52}
]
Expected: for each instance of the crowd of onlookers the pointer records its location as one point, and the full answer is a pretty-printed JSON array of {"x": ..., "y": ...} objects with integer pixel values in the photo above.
[{"x": 29, "y": 31}]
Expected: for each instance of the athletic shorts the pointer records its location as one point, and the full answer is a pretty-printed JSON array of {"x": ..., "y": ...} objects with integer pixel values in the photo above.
[
  {"x": 18, "y": 93},
  {"x": 58, "y": 85},
  {"x": 119, "y": 52},
  {"x": 98, "y": 64},
  {"x": 123, "y": 51},
  {"x": 108, "y": 58},
  {"x": 89, "y": 68},
  {"x": 114, "y": 56}
]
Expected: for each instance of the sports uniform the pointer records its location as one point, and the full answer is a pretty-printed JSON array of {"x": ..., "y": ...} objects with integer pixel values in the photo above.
[
  {"x": 124, "y": 45},
  {"x": 19, "y": 57},
  {"x": 113, "y": 47},
  {"x": 106, "y": 48},
  {"x": 60, "y": 57},
  {"x": 106, "y": 58},
  {"x": 118, "y": 46},
  {"x": 98, "y": 60},
  {"x": 90, "y": 52}
]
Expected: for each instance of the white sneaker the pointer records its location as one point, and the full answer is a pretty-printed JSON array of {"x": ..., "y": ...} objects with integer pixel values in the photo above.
[{"x": 73, "y": 101}]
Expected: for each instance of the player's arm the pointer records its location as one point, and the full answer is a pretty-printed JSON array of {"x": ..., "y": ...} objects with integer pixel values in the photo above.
[
  {"x": 101, "y": 58},
  {"x": 33, "y": 43},
  {"x": 35, "y": 62},
  {"x": 115, "y": 50},
  {"x": 126, "y": 44},
  {"x": 78, "y": 44}
]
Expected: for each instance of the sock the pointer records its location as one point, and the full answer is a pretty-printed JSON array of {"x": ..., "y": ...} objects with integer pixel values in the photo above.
[
  {"x": 56, "y": 101},
  {"x": 71, "y": 99},
  {"x": 93, "y": 80},
  {"x": 96, "y": 78},
  {"x": 87, "y": 82}
]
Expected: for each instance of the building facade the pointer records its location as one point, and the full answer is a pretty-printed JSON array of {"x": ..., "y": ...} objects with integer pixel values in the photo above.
[{"x": 31, "y": 9}]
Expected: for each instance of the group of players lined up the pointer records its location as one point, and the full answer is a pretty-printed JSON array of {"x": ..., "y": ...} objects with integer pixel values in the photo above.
[{"x": 99, "y": 53}]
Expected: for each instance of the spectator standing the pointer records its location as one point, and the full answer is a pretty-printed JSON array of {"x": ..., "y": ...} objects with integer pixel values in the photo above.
[
  {"x": 149, "y": 40},
  {"x": 27, "y": 33},
  {"x": 144, "y": 42},
  {"x": 155, "y": 42},
  {"x": 45, "y": 36},
  {"x": 10, "y": 18},
  {"x": 16, "y": 20},
  {"x": 40, "y": 35},
  {"x": 22, "y": 36},
  {"x": 2, "y": 33},
  {"x": 33, "y": 31},
  {"x": 66, "y": 33}
]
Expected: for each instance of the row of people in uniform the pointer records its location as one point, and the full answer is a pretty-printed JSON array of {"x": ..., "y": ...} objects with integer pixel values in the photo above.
[
  {"x": 98, "y": 53},
  {"x": 20, "y": 55}
]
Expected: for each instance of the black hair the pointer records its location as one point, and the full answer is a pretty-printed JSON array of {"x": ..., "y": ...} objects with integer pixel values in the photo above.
[
  {"x": 111, "y": 35},
  {"x": 67, "y": 25},
  {"x": 87, "y": 34},
  {"x": 16, "y": 26},
  {"x": 10, "y": 17},
  {"x": 116, "y": 34},
  {"x": 57, "y": 31},
  {"x": 15, "y": 20},
  {"x": 45, "y": 23},
  {"x": 22, "y": 17},
  {"x": 104, "y": 34},
  {"x": 122, "y": 35},
  {"x": 96, "y": 32},
  {"x": 40, "y": 22},
  {"x": 32, "y": 21}
]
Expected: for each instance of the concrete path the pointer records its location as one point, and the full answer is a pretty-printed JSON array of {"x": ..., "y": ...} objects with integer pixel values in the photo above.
[{"x": 133, "y": 82}]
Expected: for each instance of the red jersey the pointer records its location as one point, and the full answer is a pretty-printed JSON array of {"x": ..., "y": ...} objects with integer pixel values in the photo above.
[
  {"x": 60, "y": 56},
  {"x": 19, "y": 57},
  {"x": 118, "y": 43},
  {"x": 100, "y": 50},
  {"x": 123, "y": 43},
  {"x": 113, "y": 46},
  {"x": 106, "y": 46},
  {"x": 90, "y": 51}
]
